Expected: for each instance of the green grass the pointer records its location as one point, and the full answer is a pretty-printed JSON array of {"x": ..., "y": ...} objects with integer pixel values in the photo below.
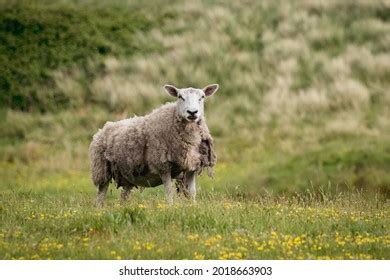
[
  {"x": 51, "y": 215},
  {"x": 300, "y": 123},
  {"x": 57, "y": 220}
]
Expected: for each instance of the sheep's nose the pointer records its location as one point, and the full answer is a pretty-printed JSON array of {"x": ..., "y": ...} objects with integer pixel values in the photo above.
[{"x": 192, "y": 112}]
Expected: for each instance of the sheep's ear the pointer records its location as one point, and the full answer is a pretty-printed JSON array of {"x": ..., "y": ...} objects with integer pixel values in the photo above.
[
  {"x": 210, "y": 89},
  {"x": 173, "y": 91}
]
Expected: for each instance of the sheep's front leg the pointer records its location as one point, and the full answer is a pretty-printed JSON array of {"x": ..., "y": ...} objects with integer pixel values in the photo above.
[
  {"x": 167, "y": 181},
  {"x": 191, "y": 187}
]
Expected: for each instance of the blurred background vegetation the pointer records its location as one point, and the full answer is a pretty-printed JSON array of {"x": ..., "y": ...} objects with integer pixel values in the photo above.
[{"x": 304, "y": 87}]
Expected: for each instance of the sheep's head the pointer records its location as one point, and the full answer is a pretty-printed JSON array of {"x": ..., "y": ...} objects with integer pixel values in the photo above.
[{"x": 190, "y": 101}]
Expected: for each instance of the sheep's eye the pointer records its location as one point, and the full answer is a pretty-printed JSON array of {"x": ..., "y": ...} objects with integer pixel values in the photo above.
[
  {"x": 181, "y": 97},
  {"x": 200, "y": 99}
]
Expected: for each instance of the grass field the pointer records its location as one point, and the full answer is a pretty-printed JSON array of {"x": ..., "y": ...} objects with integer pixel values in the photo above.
[
  {"x": 62, "y": 224},
  {"x": 301, "y": 127}
]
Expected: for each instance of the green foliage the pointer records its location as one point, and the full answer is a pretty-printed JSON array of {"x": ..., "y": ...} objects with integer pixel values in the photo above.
[{"x": 36, "y": 39}]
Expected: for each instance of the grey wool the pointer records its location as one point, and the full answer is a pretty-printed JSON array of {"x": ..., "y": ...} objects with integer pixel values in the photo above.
[{"x": 151, "y": 150}]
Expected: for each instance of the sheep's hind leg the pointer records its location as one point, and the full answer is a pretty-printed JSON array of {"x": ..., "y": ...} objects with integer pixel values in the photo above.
[
  {"x": 191, "y": 184},
  {"x": 125, "y": 193},
  {"x": 101, "y": 195},
  {"x": 167, "y": 180}
]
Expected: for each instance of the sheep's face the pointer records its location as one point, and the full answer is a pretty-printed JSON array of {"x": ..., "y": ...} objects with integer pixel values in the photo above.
[{"x": 190, "y": 101}]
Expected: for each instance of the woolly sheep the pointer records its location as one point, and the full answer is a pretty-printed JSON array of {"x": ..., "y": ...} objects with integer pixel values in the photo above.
[{"x": 173, "y": 141}]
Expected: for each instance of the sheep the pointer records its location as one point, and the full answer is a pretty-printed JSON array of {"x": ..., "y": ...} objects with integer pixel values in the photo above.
[{"x": 173, "y": 141}]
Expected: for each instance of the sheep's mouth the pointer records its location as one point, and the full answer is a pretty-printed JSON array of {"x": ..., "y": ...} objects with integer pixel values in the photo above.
[{"x": 192, "y": 118}]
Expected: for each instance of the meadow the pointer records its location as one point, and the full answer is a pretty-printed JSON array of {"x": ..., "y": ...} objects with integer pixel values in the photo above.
[{"x": 301, "y": 125}]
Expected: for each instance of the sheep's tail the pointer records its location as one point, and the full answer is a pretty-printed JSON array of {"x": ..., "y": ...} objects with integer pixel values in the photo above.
[{"x": 100, "y": 168}]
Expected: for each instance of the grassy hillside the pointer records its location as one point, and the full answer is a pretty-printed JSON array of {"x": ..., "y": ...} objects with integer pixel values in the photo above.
[
  {"x": 302, "y": 109},
  {"x": 39, "y": 38}
]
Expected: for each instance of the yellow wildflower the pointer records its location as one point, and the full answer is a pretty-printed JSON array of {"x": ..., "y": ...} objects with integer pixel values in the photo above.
[
  {"x": 198, "y": 256},
  {"x": 193, "y": 237}
]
